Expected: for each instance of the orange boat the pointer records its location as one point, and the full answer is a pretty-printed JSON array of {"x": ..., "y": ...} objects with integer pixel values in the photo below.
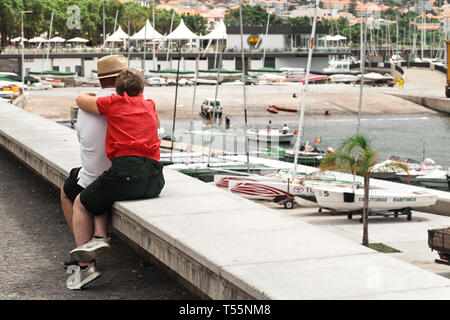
[
  {"x": 285, "y": 109},
  {"x": 272, "y": 109}
]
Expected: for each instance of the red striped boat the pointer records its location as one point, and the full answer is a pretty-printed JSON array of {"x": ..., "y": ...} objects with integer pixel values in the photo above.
[{"x": 268, "y": 190}]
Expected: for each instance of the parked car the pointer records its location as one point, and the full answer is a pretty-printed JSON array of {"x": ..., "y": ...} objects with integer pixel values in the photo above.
[
  {"x": 156, "y": 82},
  {"x": 181, "y": 82},
  {"x": 208, "y": 106}
]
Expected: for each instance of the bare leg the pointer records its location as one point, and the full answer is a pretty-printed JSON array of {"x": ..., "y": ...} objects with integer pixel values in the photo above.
[
  {"x": 83, "y": 224},
  {"x": 101, "y": 225},
  {"x": 67, "y": 208}
]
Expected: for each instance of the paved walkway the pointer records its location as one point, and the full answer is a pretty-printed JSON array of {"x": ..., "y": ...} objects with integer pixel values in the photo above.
[
  {"x": 409, "y": 237},
  {"x": 35, "y": 240}
]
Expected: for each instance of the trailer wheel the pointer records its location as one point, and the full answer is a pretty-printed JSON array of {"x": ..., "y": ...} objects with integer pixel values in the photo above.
[
  {"x": 333, "y": 213},
  {"x": 396, "y": 214},
  {"x": 289, "y": 204},
  {"x": 361, "y": 220},
  {"x": 320, "y": 210},
  {"x": 409, "y": 217},
  {"x": 350, "y": 216}
]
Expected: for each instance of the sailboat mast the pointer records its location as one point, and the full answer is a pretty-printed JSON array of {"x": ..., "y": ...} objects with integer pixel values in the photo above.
[
  {"x": 215, "y": 104},
  {"x": 50, "y": 35},
  {"x": 301, "y": 121},
  {"x": 153, "y": 36},
  {"x": 362, "y": 63},
  {"x": 104, "y": 26},
  {"x": 175, "y": 105},
  {"x": 145, "y": 45},
  {"x": 396, "y": 37},
  {"x": 423, "y": 37},
  {"x": 243, "y": 85},
  {"x": 168, "y": 41},
  {"x": 265, "y": 39},
  {"x": 128, "y": 42},
  {"x": 114, "y": 30}
]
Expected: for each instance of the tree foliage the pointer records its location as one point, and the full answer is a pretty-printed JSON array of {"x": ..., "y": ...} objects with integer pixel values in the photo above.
[
  {"x": 251, "y": 16},
  {"x": 91, "y": 18}
]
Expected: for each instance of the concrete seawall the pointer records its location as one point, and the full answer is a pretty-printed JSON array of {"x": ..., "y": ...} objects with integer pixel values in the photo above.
[
  {"x": 434, "y": 103},
  {"x": 224, "y": 246}
]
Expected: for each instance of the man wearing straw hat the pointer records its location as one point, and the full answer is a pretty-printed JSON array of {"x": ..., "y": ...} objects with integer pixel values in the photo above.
[{"x": 91, "y": 130}]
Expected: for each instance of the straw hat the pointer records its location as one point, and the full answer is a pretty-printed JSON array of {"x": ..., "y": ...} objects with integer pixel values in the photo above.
[{"x": 110, "y": 66}]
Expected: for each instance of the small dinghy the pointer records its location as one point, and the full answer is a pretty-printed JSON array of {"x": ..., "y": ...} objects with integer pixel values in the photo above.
[{"x": 272, "y": 109}]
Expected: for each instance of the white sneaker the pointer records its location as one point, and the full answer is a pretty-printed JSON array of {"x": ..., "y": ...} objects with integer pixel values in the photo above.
[
  {"x": 90, "y": 250},
  {"x": 79, "y": 277}
]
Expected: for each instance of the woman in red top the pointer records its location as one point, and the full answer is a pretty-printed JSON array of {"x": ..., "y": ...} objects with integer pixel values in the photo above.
[{"x": 132, "y": 144}]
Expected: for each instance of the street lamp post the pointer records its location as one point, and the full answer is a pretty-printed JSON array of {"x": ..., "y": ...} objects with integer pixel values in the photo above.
[{"x": 23, "y": 55}]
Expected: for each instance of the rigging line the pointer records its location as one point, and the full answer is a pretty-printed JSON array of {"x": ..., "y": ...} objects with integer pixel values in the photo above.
[
  {"x": 215, "y": 101},
  {"x": 114, "y": 30},
  {"x": 168, "y": 40},
  {"x": 305, "y": 91},
  {"x": 243, "y": 85},
  {"x": 175, "y": 105}
]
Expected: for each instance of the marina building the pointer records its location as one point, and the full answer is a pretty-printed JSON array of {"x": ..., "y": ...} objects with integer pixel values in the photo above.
[{"x": 282, "y": 46}]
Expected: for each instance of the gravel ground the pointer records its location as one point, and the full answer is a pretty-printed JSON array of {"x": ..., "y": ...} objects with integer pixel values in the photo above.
[{"x": 35, "y": 241}]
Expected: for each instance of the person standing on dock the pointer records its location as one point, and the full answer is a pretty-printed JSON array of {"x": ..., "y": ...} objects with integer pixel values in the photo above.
[
  {"x": 269, "y": 128},
  {"x": 91, "y": 131},
  {"x": 132, "y": 145}
]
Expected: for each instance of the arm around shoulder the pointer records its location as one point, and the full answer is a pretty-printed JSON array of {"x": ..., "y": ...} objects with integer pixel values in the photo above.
[{"x": 88, "y": 103}]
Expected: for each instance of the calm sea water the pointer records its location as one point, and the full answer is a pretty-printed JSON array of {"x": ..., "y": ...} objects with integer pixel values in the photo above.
[{"x": 408, "y": 136}]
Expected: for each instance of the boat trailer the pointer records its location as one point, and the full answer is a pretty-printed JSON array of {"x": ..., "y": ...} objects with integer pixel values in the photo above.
[
  {"x": 439, "y": 240},
  {"x": 286, "y": 201},
  {"x": 384, "y": 213}
]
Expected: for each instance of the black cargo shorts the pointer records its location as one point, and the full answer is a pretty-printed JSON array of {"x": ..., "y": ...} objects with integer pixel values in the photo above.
[
  {"x": 71, "y": 187},
  {"x": 129, "y": 178}
]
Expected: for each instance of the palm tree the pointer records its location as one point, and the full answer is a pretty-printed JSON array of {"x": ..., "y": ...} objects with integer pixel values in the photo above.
[{"x": 357, "y": 156}]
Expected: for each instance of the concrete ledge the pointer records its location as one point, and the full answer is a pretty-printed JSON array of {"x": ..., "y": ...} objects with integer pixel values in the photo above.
[
  {"x": 434, "y": 103},
  {"x": 224, "y": 246}
]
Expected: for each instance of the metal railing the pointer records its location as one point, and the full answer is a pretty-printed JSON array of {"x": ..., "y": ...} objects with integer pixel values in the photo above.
[{"x": 98, "y": 50}]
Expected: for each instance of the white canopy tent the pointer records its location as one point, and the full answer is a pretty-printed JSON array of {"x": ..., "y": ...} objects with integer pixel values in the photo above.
[
  {"x": 18, "y": 39},
  {"x": 147, "y": 33},
  {"x": 118, "y": 36},
  {"x": 182, "y": 33},
  {"x": 219, "y": 33},
  {"x": 57, "y": 39},
  {"x": 77, "y": 39},
  {"x": 37, "y": 40},
  {"x": 334, "y": 39}
]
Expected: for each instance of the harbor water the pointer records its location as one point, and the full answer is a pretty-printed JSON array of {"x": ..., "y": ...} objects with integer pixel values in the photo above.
[{"x": 410, "y": 136}]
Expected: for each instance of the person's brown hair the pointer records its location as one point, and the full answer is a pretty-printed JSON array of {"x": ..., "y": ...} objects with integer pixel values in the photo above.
[{"x": 130, "y": 81}]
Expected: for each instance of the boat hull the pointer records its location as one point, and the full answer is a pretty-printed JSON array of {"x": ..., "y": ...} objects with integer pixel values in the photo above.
[
  {"x": 441, "y": 184},
  {"x": 268, "y": 190},
  {"x": 309, "y": 159},
  {"x": 343, "y": 199},
  {"x": 260, "y": 136},
  {"x": 223, "y": 181}
]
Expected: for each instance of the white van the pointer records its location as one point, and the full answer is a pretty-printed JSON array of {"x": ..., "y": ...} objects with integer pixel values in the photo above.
[{"x": 208, "y": 106}]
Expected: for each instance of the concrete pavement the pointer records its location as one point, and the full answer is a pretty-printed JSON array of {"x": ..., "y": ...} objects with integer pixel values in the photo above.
[{"x": 410, "y": 237}]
